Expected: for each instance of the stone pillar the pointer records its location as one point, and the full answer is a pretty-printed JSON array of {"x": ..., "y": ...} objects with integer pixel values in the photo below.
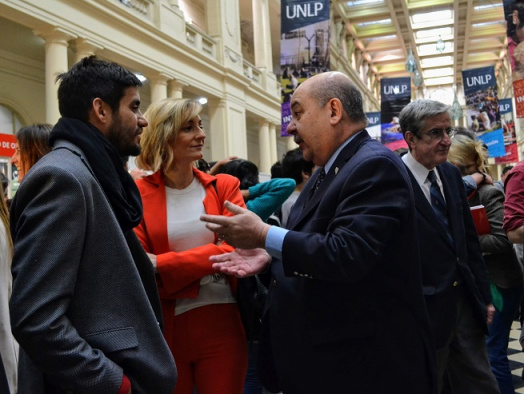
[
  {"x": 223, "y": 24},
  {"x": 291, "y": 143},
  {"x": 85, "y": 48},
  {"x": 158, "y": 87},
  {"x": 262, "y": 35},
  {"x": 273, "y": 142},
  {"x": 227, "y": 129},
  {"x": 264, "y": 147},
  {"x": 176, "y": 88},
  {"x": 56, "y": 44}
]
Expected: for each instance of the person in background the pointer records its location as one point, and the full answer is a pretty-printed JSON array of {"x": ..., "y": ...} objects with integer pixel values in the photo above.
[
  {"x": 8, "y": 345},
  {"x": 32, "y": 143},
  {"x": 456, "y": 286},
  {"x": 296, "y": 167},
  {"x": 84, "y": 306},
  {"x": 503, "y": 175},
  {"x": 215, "y": 166},
  {"x": 202, "y": 322},
  {"x": 263, "y": 198},
  {"x": 345, "y": 267},
  {"x": 504, "y": 270},
  {"x": 276, "y": 170}
]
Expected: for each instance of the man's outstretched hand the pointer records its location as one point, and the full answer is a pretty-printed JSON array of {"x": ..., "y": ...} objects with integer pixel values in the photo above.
[
  {"x": 244, "y": 230},
  {"x": 241, "y": 262}
]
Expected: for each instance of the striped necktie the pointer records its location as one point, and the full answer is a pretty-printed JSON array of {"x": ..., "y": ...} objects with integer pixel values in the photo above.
[{"x": 438, "y": 203}]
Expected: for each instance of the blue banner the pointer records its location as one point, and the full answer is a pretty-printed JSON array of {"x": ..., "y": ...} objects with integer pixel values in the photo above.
[
  {"x": 373, "y": 126},
  {"x": 494, "y": 140},
  {"x": 395, "y": 94},
  {"x": 304, "y": 47},
  {"x": 482, "y": 104}
]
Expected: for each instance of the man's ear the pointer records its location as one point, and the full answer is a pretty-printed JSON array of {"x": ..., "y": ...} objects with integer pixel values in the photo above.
[
  {"x": 335, "y": 106},
  {"x": 410, "y": 139},
  {"x": 100, "y": 114}
]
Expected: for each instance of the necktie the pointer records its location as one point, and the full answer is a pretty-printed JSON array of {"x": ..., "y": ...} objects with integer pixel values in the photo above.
[
  {"x": 438, "y": 203},
  {"x": 320, "y": 178}
]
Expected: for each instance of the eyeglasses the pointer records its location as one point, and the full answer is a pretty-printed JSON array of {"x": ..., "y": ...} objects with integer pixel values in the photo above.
[{"x": 438, "y": 134}]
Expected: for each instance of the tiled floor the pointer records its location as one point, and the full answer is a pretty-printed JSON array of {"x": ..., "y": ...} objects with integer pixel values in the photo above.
[{"x": 516, "y": 357}]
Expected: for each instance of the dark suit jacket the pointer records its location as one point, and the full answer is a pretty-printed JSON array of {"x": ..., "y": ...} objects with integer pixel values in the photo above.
[
  {"x": 79, "y": 308},
  {"x": 346, "y": 301},
  {"x": 445, "y": 264}
]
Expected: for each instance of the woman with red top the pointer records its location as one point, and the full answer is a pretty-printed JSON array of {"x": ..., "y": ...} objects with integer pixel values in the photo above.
[{"x": 202, "y": 323}]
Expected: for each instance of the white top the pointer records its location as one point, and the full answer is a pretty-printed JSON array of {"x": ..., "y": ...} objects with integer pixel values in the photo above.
[
  {"x": 186, "y": 231},
  {"x": 421, "y": 175},
  {"x": 287, "y": 205},
  {"x": 8, "y": 345}
]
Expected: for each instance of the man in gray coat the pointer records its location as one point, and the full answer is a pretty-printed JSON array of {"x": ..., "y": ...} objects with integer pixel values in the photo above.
[{"x": 84, "y": 306}]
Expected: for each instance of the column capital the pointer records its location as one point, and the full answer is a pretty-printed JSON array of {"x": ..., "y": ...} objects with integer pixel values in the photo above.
[
  {"x": 55, "y": 34},
  {"x": 87, "y": 45},
  {"x": 158, "y": 77}
]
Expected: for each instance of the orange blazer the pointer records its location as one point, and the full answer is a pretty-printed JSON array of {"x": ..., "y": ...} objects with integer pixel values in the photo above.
[{"x": 179, "y": 273}]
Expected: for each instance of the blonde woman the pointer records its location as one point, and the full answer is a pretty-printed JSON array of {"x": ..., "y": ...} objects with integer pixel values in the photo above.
[
  {"x": 504, "y": 270},
  {"x": 202, "y": 322},
  {"x": 8, "y": 345}
]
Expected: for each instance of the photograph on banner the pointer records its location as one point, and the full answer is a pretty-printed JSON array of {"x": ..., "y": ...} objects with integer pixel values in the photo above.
[
  {"x": 508, "y": 130},
  {"x": 373, "y": 127},
  {"x": 482, "y": 104},
  {"x": 514, "y": 18},
  {"x": 304, "y": 47},
  {"x": 395, "y": 94}
]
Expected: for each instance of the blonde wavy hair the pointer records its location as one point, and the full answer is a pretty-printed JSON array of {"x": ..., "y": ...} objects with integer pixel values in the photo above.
[
  {"x": 464, "y": 150},
  {"x": 165, "y": 118}
]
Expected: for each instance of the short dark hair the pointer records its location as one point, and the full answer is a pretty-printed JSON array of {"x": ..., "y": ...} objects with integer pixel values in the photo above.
[
  {"x": 413, "y": 116},
  {"x": 293, "y": 163},
  {"x": 506, "y": 169},
  {"x": 92, "y": 78},
  {"x": 245, "y": 170},
  {"x": 276, "y": 170}
]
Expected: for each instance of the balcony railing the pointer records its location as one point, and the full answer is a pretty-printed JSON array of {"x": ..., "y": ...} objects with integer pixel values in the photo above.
[
  {"x": 142, "y": 7},
  {"x": 200, "y": 41}
]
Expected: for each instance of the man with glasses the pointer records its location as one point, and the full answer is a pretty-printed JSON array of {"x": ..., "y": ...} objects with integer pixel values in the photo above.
[{"x": 456, "y": 286}]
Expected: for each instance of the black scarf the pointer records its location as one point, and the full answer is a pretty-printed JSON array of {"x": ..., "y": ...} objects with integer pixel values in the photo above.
[{"x": 119, "y": 187}]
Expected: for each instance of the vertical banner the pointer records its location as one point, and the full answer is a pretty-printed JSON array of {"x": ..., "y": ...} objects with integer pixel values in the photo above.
[
  {"x": 373, "y": 127},
  {"x": 304, "y": 47},
  {"x": 508, "y": 130},
  {"x": 514, "y": 18},
  {"x": 482, "y": 108},
  {"x": 395, "y": 94}
]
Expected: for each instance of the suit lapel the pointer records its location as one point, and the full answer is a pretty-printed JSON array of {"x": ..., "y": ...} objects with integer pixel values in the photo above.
[
  {"x": 451, "y": 195},
  {"x": 300, "y": 209}
]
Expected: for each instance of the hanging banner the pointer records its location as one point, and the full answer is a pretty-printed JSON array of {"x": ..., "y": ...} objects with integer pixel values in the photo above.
[
  {"x": 482, "y": 107},
  {"x": 518, "y": 93},
  {"x": 514, "y": 18},
  {"x": 508, "y": 130},
  {"x": 304, "y": 47},
  {"x": 395, "y": 94},
  {"x": 373, "y": 127},
  {"x": 494, "y": 140}
]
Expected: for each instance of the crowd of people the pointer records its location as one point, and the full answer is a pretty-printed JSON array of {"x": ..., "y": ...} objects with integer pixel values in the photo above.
[{"x": 353, "y": 270}]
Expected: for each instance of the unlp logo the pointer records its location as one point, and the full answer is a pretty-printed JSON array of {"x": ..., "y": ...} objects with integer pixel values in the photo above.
[
  {"x": 504, "y": 107},
  {"x": 307, "y": 10},
  {"x": 395, "y": 89},
  {"x": 478, "y": 80},
  {"x": 372, "y": 119}
]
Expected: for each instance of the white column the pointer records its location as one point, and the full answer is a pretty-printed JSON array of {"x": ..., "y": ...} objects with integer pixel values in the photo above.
[
  {"x": 273, "y": 142},
  {"x": 176, "y": 88},
  {"x": 264, "y": 147},
  {"x": 85, "y": 48},
  {"x": 291, "y": 143},
  {"x": 262, "y": 35},
  {"x": 55, "y": 64},
  {"x": 158, "y": 87}
]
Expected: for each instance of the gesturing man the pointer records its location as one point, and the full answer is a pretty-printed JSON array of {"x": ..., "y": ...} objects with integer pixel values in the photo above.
[{"x": 346, "y": 294}]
